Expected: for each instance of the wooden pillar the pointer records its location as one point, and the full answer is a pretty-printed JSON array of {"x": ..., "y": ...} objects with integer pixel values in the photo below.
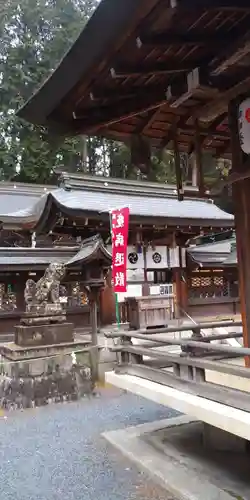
[
  {"x": 181, "y": 287},
  {"x": 178, "y": 292},
  {"x": 141, "y": 154},
  {"x": 178, "y": 169},
  {"x": 93, "y": 301},
  {"x": 19, "y": 291},
  {"x": 241, "y": 201},
  {"x": 107, "y": 303},
  {"x": 94, "y": 294},
  {"x": 199, "y": 159}
]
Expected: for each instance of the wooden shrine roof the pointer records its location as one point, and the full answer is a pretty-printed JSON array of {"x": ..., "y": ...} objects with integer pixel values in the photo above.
[
  {"x": 85, "y": 197},
  {"x": 214, "y": 254},
  {"x": 19, "y": 196},
  {"x": 151, "y": 68},
  {"x": 91, "y": 249},
  {"x": 23, "y": 258}
]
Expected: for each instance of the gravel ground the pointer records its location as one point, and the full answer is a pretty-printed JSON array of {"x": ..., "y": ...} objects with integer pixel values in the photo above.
[{"x": 57, "y": 452}]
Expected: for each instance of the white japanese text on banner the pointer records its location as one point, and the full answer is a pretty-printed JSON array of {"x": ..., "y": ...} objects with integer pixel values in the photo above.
[{"x": 120, "y": 222}]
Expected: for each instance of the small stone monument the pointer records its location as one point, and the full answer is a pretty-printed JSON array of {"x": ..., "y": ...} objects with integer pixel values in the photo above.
[
  {"x": 44, "y": 321},
  {"x": 44, "y": 364}
]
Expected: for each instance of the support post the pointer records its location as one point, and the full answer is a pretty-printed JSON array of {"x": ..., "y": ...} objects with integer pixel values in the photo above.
[
  {"x": 241, "y": 201},
  {"x": 199, "y": 159},
  {"x": 93, "y": 298},
  {"x": 178, "y": 169}
]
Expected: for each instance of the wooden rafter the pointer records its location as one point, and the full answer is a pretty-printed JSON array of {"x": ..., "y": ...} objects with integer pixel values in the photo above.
[
  {"x": 155, "y": 69},
  {"x": 149, "y": 121},
  {"x": 165, "y": 39},
  {"x": 107, "y": 116},
  {"x": 233, "y": 52}
]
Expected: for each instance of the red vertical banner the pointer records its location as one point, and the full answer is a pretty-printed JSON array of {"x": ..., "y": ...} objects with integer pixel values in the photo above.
[{"x": 119, "y": 231}]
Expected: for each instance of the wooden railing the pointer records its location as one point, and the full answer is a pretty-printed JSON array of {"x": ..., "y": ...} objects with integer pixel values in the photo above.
[{"x": 187, "y": 371}]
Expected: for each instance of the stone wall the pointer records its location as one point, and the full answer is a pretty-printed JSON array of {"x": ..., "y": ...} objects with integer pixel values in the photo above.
[{"x": 37, "y": 382}]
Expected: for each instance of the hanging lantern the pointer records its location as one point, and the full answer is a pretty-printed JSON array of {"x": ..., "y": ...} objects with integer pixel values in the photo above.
[{"x": 244, "y": 125}]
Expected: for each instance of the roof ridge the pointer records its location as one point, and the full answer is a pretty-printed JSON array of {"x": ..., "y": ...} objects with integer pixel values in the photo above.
[{"x": 125, "y": 186}]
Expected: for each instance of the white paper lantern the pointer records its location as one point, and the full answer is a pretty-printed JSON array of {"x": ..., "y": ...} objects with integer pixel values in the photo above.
[{"x": 244, "y": 125}]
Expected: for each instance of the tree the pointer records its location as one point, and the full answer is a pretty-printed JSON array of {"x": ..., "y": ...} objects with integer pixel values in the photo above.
[{"x": 34, "y": 35}]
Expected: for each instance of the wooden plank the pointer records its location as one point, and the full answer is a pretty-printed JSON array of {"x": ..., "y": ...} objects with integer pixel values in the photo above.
[{"x": 203, "y": 363}]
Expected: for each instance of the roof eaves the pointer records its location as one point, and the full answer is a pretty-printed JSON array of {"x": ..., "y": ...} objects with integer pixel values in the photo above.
[{"x": 87, "y": 55}]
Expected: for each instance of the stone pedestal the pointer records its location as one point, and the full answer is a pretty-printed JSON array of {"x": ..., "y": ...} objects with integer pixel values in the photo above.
[
  {"x": 38, "y": 375},
  {"x": 43, "y": 334}
]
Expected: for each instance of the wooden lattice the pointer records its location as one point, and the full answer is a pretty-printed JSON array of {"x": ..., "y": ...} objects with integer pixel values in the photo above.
[{"x": 208, "y": 286}]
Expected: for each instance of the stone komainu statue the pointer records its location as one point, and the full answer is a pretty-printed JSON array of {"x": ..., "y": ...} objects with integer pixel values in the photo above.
[{"x": 47, "y": 289}]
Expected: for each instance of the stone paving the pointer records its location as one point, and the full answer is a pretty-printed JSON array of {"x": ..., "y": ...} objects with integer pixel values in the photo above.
[{"x": 57, "y": 452}]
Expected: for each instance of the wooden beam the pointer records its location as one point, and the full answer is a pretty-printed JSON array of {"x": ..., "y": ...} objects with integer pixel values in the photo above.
[
  {"x": 231, "y": 60},
  {"x": 180, "y": 92},
  {"x": 173, "y": 128},
  {"x": 165, "y": 39},
  {"x": 211, "y": 132},
  {"x": 237, "y": 177},
  {"x": 128, "y": 92},
  {"x": 232, "y": 53},
  {"x": 205, "y": 132},
  {"x": 107, "y": 115},
  {"x": 149, "y": 121},
  {"x": 218, "y": 106},
  {"x": 159, "y": 68},
  {"x": 215, "y": 5}
]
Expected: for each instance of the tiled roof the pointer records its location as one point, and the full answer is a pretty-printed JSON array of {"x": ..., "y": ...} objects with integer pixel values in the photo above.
[
  {"x": 214, "y": 254},
  {"x": 102, "y": 195},
  {"x": 35, "y": 256},
  {"x": 148, "y": 206},
  {"x": 90, "y": 248},
  {"x": 19, "y": 196}
]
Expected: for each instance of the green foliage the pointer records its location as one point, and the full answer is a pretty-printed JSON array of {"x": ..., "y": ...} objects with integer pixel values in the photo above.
[{"x": 34, "y": 36}]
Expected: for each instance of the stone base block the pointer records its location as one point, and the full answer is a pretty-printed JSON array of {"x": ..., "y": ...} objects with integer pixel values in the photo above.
[
  {"x": 28, "y": 382},
  {"x": 14, "y": 352},
  {"x": 36, "y": 335}
]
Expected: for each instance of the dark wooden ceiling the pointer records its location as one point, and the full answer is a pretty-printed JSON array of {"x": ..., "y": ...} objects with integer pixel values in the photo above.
[{"x": 159, "y": 68}]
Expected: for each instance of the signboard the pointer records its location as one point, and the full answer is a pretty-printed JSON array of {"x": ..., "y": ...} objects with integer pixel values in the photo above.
[
  {"x": 119, "y": 228},
  {"x": 156, "y": 258}
]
